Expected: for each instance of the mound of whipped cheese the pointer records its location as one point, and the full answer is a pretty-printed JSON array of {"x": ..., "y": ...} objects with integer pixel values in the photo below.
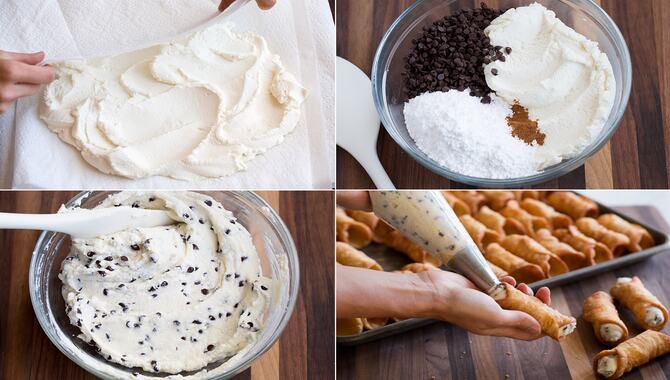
[
  {"x": 172, "y": 298},
  {"x": 560, "y": 76},
  {"x": 203, "y": 107}
]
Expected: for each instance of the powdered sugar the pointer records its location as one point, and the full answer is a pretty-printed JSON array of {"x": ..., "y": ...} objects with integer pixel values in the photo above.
[{"x": 469, "y": 137}]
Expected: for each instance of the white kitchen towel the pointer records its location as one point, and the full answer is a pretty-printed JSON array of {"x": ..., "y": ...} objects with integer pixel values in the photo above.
[{"x": 301, "y": 31}]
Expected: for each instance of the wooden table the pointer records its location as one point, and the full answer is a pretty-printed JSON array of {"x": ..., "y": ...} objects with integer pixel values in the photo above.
[
  {"x": 305, "y": 349},
  {"x": 443, "y": 351},
  {"x": 636, "y": 156}
]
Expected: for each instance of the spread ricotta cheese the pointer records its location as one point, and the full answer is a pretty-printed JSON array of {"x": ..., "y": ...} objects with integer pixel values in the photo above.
[
  {"x": 172, "y": 298},
  {"x": 560, "y": 76},
  {"x": 203, "y": 107}
]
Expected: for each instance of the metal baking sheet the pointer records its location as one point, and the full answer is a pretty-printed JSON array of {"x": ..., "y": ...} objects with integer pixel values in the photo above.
[{"x": 391, "y": 260}]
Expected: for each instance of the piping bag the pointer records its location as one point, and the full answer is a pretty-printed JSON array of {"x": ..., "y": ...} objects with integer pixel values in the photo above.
[{"x": 426, "y": 218}]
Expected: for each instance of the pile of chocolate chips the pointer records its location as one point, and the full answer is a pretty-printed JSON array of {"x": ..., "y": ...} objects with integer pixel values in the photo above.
[{"x": 451, "y": 54}]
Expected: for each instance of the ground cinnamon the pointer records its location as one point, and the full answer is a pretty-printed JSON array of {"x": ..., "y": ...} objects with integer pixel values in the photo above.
[{"x": 523, "y": 127}]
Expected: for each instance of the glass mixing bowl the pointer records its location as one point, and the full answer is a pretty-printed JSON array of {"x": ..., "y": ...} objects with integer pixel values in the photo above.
[
  {"x": 584, "y": 16},
  {"x": 273, "y": 242}
]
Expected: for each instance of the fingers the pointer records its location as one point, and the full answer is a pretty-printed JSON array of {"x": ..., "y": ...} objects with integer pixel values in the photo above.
[
  {"x": 19, "y": 72},
  {"x": 508, "y": 279},
  {"x": 524, "y": 288},
  {"x": 225, "y": 4},
  {"x": 357, "y": 200},
  {"x": 519, "y": 325},
  {"x": 544, "y": 294},
  {"x": 28, "y": 58},
  {"x": 266, "y": 4}
]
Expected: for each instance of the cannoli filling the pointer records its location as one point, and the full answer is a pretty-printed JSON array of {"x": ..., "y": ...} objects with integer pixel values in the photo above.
[
  {"x": 610, "y": 332},
  {"x": 607, "y": 365},
  {"x": 653, "y": 316}
]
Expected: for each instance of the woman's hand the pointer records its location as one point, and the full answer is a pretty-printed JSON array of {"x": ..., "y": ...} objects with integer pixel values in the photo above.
[
  {"x": 262, "y": 4},
  {"x": 457, "y": 300},
  {"x": 20, "y": 76}
]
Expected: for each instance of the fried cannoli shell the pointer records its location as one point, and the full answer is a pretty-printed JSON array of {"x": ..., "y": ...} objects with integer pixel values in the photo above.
[
  {"x": 350, "y": 256},
  {"x": 534, "y": 194},
  {"x": 480, "y": 234},
  {"x": 530, "y": 222},
  {"x": 616, "y": 242},
  {"x": 418, "y": 267},
  {"x": 541, "y": 209},
  {"x": 636, "y": 351},
  {"x": 599, "y": 309},
  {"x": 374, "y": 323},
  {"x": 459, "y": 207},
  {"x": 533, "y": 252},
  {"x": 472, "y": 198},
  {"x": 392, "y": 238},
  {"x": 497, "y": 200},
  {"x": 572, "y": 204},
  {"x": 595, "y": 251},
  {"x": 348, "y": 326},
  {"x": 635, "y": 297},
  {"x": 495, "y": 221},
  {"x": 553, "y": 323},
  {"x": 350, "y": 231},
  {"x": 498, "y": 271},
  {"x": 367, "y": 218},
  {"x": 639, "y": 237},
  {"x": 572, "y": 258},
  {"x": 520, "y": 269}
]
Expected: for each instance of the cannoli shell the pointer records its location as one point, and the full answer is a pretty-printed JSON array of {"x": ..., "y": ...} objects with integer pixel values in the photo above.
[
  {"x": 530, "y": 223},
  {"x": 635, "y": 297},
  {"x": 595, "y": 251},
  {"x": 497, "y": 200},
  {"x": 348, "y": 326},
  {"x": 367, "y": 218},
  {"x": 459, "y": 207},
  {"x": 550, "y": 320},
  {"x": 520, "y": 269},
  {"x": 350, "y": 231},
  {"x": 374, "y": 323},
  {"x": 389, "y": 236},
  {"x": 639, "y": 237},
  {"x": 480, "y": 234},
  {"x": 572, "y": 204},
  {"x": 616, "y": 242},
  {"x": 599, "y": 309},
  {"x": 636, "y": 351},
  {"x": 495, "y": 221},
  {"x": 472, "y": 198},
  {"x": 350, "y": 256},
  {"x": 541, "y": 209},
  {"x": 533, "y": 252},
  {"x": 572, "y": 258}
]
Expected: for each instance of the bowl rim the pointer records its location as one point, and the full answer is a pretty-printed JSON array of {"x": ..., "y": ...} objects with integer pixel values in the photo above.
[
  {"x": 378, "y": 81},
  {"x": 264, "y": 208}
]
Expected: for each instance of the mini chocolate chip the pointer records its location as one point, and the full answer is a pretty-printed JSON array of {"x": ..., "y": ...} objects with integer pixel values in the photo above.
[
  {"x": 190, "y": 270},
  {"x": 243, "y": 258},
  {"x": 164, "y": 283},
  {"x": 494, "y": 71},
  {"x": 204, "y": 291},
  {"x": 104, "y": 291},
  {"x": 195, "y": 247},
  {"x": 264, "y": 287},
  {"x": 201, "y": 221},
  {"x": 508, "y": 50},
  {"x": 227, "y": 231},
  {"x": 210, "y": 347},
  {"x": 176, "y": 323},
  {"x": 124, "y": 258},
  {"x": 241, "y": 284},
  {"x": 208, "y": 202},
  {"x": 109, "y": 258},
  {"x": 135, "y": 247},
  {"x": 90, "y": 254},
  {"x": 197, "y": 322}
]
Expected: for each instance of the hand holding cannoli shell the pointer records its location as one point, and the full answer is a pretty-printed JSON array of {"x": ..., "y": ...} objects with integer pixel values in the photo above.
[
  {"x": 553, "y": 323},
  {"x": 634, "y": 352},
  {"x": 647, "y": 309},
  {"x": 599, "y": 310}
]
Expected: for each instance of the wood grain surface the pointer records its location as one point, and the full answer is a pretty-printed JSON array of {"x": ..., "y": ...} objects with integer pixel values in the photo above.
[
  {"x": 304, "y": 351},
  {"x": 443, "y": 351},
  {"x": 636, "y": 156}
]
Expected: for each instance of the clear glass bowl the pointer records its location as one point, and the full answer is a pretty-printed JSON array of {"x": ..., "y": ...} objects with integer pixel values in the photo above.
[
  {"x": 279, "y": 261},
  {"x": 584, "y": 16}
]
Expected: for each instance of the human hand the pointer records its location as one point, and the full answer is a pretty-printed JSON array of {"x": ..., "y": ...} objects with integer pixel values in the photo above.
[
  {"x": 262, "y": 4},
  {"x": 457, "y": 300},
  {"x": 20, "y": 76},
  {"x": 354, "y": 200}
]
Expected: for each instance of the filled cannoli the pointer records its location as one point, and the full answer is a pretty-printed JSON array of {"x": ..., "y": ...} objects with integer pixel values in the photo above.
[
  {"x": 572, "y": 204},
  {"x": 348, "y": 326},
  {"x": 647, "y": 309},
  {"x": 367, "y": 218},
  {"x": 530, "y": 222},
  {"x": 387, "y": 235},
  {"x": 570, "y": 256},
  {"x": 418, "y": 267},
  {"x": 480, "y": 234},
  {"x": 350, "y": 256},
  {"x": 520, "y": 269},
  {"x": 498, "y": 271},
  {"x": 495, "y": 221},
  {"x": 616, "y": 242},
  {"x": 497, "y": 200},
  {"x": 472, "y": 198},
  {"x": 639, "y": 237},
  {"x": 595, "y": 251},
  {"x": 350, "y": 231},
  {"x": 634, "y": 352},
  {"x": 599, "y": 310},
  {"x": 533, "y": 252},
  {"x": 459, "y": 207},
  {"x": 541, "y": 209},
  {"x": 553, "y": 323}
]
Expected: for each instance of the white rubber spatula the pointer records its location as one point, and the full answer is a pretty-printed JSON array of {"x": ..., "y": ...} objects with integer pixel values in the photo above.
[
  {"x": 358, "y": 122},
  {"x": 84, "y": 223}
]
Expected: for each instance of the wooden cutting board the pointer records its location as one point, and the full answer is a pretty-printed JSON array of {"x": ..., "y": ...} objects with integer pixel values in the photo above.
[
  {"x": 444, "y": 351},
  {"x": 637, "y": 156},
  {"x": 304, "y": 350}
]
